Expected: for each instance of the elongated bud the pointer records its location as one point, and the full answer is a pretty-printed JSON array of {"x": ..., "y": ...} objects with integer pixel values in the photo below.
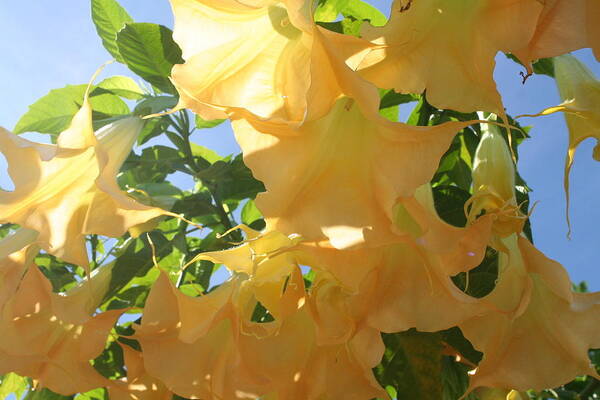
[
  {"x": 493, "y": 168},
  {"x": 116, "y": 140},
  {"x": 493, "y": 185}
]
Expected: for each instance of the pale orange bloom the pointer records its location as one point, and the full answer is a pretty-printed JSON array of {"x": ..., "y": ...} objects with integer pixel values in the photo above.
[
  {"x": 542, "y": 332},
  {"x": 203, "y": 347},
  {"x": 138, "y": 385},
  {"x": 68, "y": 190},
  {"x": 260, "y": 58},
  {"x": 51, "y": 337},
  {"x": 16, "y": 253},
  {"x": 218, "y": 352},
  {"x": 562, "y": 27},
  {"x": 338, "y": 177},
  {"x": 580, "y": 91},
  {"x": 447, "y": 48}
]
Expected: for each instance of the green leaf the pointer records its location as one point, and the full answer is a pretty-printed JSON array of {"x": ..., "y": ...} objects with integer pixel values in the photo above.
[
  {"x": 45, "y": 394},
  {"x": 53, "y": 112},
  {"x": 231, "y": 180},
  {"x": 13, "y": 384},
  {"x": 96, "y": 394},
  {"x": 450, "y": 202},
  {"x": 136, "y": 260},
  {"x": 122, "y": 86},
  {"x": 155, "y": 104},
  {"x": 150, "y": 51},
  {"x": 209, "y": 155},
  {"x": 328, "y": 11},
  {"x": 109, "y": 18},
  {"x": 250, "y": 213},
  {"x": 412, "y": 364},
  {"x": 204, "y": 124}
]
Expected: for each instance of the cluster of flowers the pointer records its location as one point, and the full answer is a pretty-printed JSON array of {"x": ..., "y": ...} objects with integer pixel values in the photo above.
[{"x": 347, "y": 194}]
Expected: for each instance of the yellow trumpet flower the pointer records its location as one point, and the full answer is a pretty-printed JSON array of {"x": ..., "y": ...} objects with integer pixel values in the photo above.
[
  {"x": 339, "y": 177},
  {"x": 447, "y": 48},
  {"x": 580, "y": 92},
  {"x": 539, "y": 324},
  {"x": 138, "y": 385},
  {"x": 260, "y": 58},
  {"x": 16, "y": 253},
  {"x": 562, "y": 27},
  {"x": 52, "y": 337},
  {"x": 68, "y": 190}
]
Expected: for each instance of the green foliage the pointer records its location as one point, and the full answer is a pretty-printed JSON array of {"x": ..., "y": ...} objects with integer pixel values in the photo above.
[
  {"x": 13, "y": 384},
  {"x": 150, "y": 52},
  {"x": 109, "y": 18},
  {"x": 53, "y": 112},
  {"x": 203, "y": 124},
  {"x": 328, "y": 11},
  {"x": 412, "y": 365}
]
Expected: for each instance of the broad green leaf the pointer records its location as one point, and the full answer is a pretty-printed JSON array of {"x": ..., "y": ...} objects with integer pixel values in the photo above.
[
  {"x": 53, "y": 112},
  {"x": 204, "y": 124},
  {"x": 155, "y": 104},
  {"x": 45, "y": 394},
  {"x": 136, "y": 260},
  {"x": 152, "y": 128},
  {"x": 159, "y": 194},
  {"x": 412, "y": 364},
  {"x": 149, "y": 51},
  {"x": 450, "y": 204},
  {"x": 480, "y": 281},
  {"x": 109, "y": 18},
  {"x": 96, "y": 394},
  {"x": 231, "y": 180},
  {"x": 328, "y": 11},
  {"x": 13, "y": 384},
  {"x": 250, "y": 213},
  {"x": 110, "y": 365},
  {"x": 209, "y": 155},
  {"x": 347, "y": 26},
  {"x": 455, "y": 380},
  {"x": 122, "y": 86}
]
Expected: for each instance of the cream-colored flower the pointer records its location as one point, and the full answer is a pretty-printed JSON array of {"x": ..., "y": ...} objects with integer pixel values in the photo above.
[
  {"x": 538, "y": 326},
  {"x": 563, "y": 26},
  {"x": 68, "y": 190},
  {"x": 52, "y": 337},
  {"x": 447, "y": 48},
  {"x": 263, "y": 59},
  {"x": 339, "y": 177}
]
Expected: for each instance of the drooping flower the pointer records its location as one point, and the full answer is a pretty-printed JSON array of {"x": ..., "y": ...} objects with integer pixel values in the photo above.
[
  {"x": 580, "y": 92},
  {"x": 547, "y": 326},
  {"x": 221, "y": 353},
  {"x": 264, "y": 59},
  {"x": 339, "y": 177},
  {"x": 68, "y": 190},
  {"x": 563, "y": 26},
  {"x": 138, "y": 385},
  {"x": 16, "y": 253},
  {"x": 201, "y": 347},
  {"x": 51, "y": 337},
  {"x": 447, "y": 48}
]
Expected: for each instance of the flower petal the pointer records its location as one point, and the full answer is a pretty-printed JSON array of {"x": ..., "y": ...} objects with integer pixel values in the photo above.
[{"x": 448, "y": 49}]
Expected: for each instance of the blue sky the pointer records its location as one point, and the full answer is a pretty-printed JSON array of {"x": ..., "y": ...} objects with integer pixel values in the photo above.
[{"x": 49, "y": 44}]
